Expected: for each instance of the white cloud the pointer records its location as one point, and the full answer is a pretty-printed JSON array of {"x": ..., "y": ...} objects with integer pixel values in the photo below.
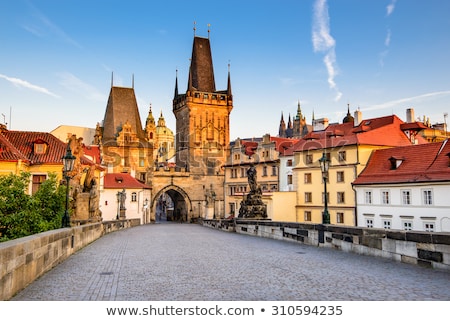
[
  {"x": 73, "y": 83},
  {"x": 387, "y": 40},
  {"x": 45, "y": 24},
  {"x": 390, "y": 8},
  {"x": 408, "y": 100},
  {"x": 324, "y": 42},
  {"x": 25, "y": 84}
]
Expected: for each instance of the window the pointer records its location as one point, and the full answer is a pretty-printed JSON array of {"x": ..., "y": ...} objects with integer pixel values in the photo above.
[
  {"x": 308, "y": 179},
  {"x": 37, "y": 181},
  {"x": 406, "y": 197},
  {"x": 369, "y": 222},
  {"x": 428, "y": 226},
  {"x": 133, "y": 197},
  {"x": 233, "y": 172},
  {"x": 243, "y": 172},
  {"x": 342, "y": 156},
  {"x": 264, "y": 173},
  {"x": 427, "y": 197},
  {"x": 274, "y": 171},
  {"x": 323, "y": 197},
  {"x": 386, "y": 224},
  {"x": 407, "y": 225},
  {"x": 289, "y": 162},
  {"x": 340, "y": 217},
  {"x": 341, "y": 197},
  {"x": 309, "y": 159},
  {"x": 289, "y": 179},
  {"x": 368, "y": 197},
  {"x": 340, "y": 177},
  {"x": 308, "y": 197},
  {"x": 237, "y": 156},
  {"x": 307, "y": 216},
  {"x": 385, "y": 197},
  {"x": 40, "y": 148}
]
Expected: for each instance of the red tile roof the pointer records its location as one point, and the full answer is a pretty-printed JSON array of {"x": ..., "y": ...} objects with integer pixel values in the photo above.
[
  {"x": 418, "y": 163},
  {"x": 20, "y": 145},
  {"x": 123, "y": 180},
  {"x": 382, "y": 131}
]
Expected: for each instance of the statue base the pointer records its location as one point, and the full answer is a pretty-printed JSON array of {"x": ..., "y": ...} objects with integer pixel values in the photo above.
[{"x": 252, "y": 207}]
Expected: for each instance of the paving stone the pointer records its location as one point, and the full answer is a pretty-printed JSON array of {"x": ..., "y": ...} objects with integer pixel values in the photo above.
[{"x": 189, "y": 262}]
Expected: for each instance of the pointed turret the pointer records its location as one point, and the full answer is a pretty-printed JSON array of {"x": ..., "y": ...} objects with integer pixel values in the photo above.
[
  {"x": 348, "y": 118},
  {"x": 121, "y": 108},
  {"x": 175, "y": 95},
  {"x": 282, "y": 128},
  {"x": 201, "y": 72},
  {"x": 229, "y": 83}
]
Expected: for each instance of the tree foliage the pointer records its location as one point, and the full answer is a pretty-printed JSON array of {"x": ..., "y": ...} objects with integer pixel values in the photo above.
[{"x": 22, "y": 214}]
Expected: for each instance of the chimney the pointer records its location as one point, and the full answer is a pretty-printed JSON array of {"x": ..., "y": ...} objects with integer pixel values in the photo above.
[
  {"x": 410, "y": 115},
  {"x": 358, "y": 117},
  {"x": 320, "y": 124}
]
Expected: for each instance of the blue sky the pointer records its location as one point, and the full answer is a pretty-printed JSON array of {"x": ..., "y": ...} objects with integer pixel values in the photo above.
[{"x": 381, "y": 56}]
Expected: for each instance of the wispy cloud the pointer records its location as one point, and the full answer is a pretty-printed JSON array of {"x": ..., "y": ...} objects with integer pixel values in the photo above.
[
  {"x": 390, "y": 8},
  {"x": 325, "y": 43},
  {"x": 387, "y": 40},
  {"x": 44, "y": 25},
  {"x": 403, "y": 101},
  {"x": 25, "y": 84},
  {"x": 75, "y": 84}
]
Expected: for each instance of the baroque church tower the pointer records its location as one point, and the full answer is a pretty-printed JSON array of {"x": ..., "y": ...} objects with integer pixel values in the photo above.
[{"x": 202, "y": 116}]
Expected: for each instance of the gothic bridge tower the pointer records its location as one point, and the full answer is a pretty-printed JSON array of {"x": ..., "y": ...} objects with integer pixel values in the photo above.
[
  {"x": 202, "y": 113},
  {"x": 202, "y": 116}
]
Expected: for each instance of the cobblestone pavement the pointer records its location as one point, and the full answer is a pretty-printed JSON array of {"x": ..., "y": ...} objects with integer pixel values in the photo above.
[{"x": 189, "y": 262}]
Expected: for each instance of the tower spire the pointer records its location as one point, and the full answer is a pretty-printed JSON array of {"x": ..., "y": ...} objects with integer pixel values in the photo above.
[
  {"x": 229, "y": 82},
  {"x": 176, "y": 84},
  {"x": 195, "y": 28}
]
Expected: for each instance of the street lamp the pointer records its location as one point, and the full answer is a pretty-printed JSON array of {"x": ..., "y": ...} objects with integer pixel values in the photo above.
[
  {"x": 324, "y": 166},
  {"x": 68, "y": 162}
]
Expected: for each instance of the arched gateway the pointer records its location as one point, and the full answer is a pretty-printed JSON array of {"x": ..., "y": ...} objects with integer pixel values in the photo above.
[{"x": 178, "y": 208}]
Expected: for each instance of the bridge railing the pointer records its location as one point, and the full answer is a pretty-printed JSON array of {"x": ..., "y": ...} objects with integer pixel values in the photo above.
[
  {"x": 25, "y": 259},
  {"x": 413, "y": 247}
]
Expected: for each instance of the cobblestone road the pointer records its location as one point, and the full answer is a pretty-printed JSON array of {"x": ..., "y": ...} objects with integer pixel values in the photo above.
[{"x": 188, "y": 262}]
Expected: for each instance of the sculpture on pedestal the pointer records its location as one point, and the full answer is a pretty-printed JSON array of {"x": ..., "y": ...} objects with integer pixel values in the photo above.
[{"x": 252, "y": 206}]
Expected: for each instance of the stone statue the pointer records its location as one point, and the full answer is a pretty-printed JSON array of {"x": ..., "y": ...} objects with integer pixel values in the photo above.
[{"x": 252, "y": 206}]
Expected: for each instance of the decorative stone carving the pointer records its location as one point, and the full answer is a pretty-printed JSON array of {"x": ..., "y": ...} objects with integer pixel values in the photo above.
[{"x": 252, "y": 206}]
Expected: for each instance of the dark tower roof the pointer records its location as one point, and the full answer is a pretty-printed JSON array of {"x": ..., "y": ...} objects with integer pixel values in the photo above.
[
  {"x": 201, "y": 72},
  {"x": 348, "y": 118},
  {"x": 122, "y": 107}
]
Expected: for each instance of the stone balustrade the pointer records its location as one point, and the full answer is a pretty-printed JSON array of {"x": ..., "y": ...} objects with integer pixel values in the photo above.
[
  {"x": 25, "y": 259},
  {"x": 413, "y": 247}
]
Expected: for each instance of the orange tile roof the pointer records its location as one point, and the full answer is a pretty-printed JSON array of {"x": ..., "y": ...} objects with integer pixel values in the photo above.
[
  {"x": 381, "y": 131},
  {"x": 419, "y": 163},
  {"x": 123, "y": 180},
  {"x": 21, "y": 146}
]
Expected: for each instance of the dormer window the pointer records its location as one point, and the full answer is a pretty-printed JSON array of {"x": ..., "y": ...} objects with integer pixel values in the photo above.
[
  {"x": 119, "y": 179},
  {"x": 448, "y": 155},
  {"x": 40, "y": 147},
  {"x": 396, "y": 162}
]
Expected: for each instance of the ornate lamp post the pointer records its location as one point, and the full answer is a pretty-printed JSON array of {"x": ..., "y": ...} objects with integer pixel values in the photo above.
[
  {"x": 324, "y": 166},
  {"x": 68, "y": 161}
]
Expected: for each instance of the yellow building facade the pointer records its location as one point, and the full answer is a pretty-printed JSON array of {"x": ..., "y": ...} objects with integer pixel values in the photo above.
[{"x": 348, "y": 148}]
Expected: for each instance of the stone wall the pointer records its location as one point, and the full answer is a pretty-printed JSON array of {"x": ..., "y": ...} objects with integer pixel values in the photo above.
[
  {"x": 24, "y": 260},
  {"x": 421, "y": 248}
]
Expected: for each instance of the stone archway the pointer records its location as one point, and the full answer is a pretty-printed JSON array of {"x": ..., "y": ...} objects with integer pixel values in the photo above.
[{"x": 182, "y": 205}]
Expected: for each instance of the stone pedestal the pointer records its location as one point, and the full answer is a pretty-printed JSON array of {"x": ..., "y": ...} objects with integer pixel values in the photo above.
[{"x": 252, "y": 206}]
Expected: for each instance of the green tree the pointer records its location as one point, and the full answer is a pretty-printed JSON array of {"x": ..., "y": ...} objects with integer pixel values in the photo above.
[{"x": 22, "y": 214}]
